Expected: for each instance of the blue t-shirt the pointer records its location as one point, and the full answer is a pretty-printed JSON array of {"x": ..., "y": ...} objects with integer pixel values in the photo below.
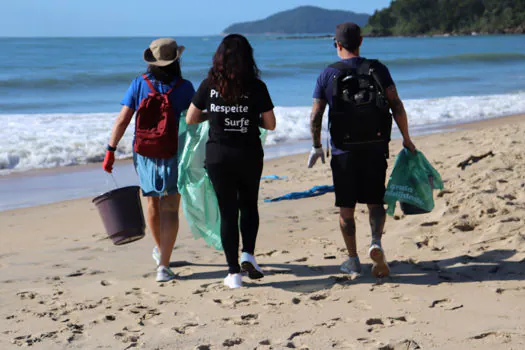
[
  {"x": 324, "y": 85},
  {"x": 180, "y": 98}
]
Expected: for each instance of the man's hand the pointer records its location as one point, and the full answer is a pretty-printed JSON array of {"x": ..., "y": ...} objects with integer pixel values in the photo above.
[
  {"x": 315, "y": 154},
  {"x": 409, "y": 145}
]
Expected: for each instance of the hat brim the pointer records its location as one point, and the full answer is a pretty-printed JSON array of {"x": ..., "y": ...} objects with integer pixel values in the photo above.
[{"x": 149, "y": 59}]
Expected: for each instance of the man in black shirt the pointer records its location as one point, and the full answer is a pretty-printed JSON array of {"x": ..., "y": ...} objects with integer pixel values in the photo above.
[{"x": 358, "y": 164}]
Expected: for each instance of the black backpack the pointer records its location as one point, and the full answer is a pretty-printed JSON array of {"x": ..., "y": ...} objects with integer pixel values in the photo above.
[{"x": 360, "y": 115}]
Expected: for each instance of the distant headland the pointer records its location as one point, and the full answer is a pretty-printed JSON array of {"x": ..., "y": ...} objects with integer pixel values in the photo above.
[{"x": 301, "y": 20}]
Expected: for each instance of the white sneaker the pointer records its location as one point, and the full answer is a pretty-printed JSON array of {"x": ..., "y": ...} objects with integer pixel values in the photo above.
[
  {"x": 156, "y": 255},
  {"x": 380, "y": 267},
  {"x": 248, "y": 264},
  {"x": 233, "y": 280},
  {"x": 352, "y": 266},
  {"x": 164, "y": 274}
]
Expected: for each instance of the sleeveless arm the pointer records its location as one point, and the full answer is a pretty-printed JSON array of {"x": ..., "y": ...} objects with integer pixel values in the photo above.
[{"x": 121, "y": 125}]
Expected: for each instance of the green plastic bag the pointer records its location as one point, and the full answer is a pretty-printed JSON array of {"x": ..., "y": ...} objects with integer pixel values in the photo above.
[
  {"x": 412, "y": 182},
  {"x": 199, "y": 202}
]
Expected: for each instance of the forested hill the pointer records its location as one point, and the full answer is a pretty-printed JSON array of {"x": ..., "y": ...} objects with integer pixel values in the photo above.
[
  {"x": 418, "y": 17},
  {"x": 301, "y": 20}
]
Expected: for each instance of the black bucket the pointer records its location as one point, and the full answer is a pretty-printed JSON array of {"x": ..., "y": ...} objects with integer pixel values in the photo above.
[{"x": 122, "y": 215}]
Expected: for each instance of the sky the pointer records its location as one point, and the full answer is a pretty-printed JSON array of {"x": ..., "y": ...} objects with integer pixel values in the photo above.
[{"x": 66, "y": 18}]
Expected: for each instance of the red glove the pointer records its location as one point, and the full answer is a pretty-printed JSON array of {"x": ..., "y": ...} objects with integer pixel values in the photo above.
[{"x": 107, "y": 165}]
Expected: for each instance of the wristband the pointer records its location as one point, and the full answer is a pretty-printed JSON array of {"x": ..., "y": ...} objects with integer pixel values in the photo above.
[{"x": 111, "y": 149}]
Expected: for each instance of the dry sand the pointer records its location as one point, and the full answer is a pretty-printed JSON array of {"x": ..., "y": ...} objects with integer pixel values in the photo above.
[{"x": 457, "y": 272}]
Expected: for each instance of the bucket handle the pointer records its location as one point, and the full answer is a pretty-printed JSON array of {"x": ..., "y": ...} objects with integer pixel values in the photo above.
[{"x": 114, "y": 180}]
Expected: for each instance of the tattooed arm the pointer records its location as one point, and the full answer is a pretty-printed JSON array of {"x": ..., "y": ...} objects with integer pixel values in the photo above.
[
  {"x": 400, "y": 116},
  {"x": 316, "y": 121}
]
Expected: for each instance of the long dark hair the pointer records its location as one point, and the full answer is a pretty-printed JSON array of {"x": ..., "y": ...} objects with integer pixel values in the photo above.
[
  {"x": 166, "y": 74},
  {"x": 234, "y": 69}
]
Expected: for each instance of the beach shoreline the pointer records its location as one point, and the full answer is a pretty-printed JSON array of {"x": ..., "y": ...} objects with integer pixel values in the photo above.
[{"x": 49, "y": 180}]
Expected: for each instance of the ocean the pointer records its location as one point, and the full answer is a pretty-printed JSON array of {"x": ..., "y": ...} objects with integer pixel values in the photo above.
[{"x": 60, "y": 96}]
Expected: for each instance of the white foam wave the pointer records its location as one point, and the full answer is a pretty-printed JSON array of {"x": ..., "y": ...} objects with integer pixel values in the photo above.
[
  {"x": 293, "y": 123},
  {"x": 51, "y": 140}
]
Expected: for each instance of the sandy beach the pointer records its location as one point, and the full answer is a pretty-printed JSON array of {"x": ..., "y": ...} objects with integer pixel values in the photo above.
[{"x": 457, "y": 278}]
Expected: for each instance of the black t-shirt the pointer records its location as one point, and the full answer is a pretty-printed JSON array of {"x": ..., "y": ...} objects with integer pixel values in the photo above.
[{"x": 234, "y": 127}]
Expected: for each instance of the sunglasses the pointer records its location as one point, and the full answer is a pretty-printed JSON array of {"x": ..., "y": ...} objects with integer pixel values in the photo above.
[{"x": 335, "y": 43}]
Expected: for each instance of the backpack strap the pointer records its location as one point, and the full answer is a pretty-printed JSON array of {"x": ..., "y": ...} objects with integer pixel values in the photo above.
[
  {"x": 341, "y": 66},
  {"x": 177, "y": 84},
  {"x": 152, "y": 88},
  {"x": 366, "y": 68},
  {"x": 146, "y": 79}
]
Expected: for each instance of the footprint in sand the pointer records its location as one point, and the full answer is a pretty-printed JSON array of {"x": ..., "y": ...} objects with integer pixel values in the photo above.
[
  {"x": 208, "y": 287},
  {"x": 331, "y": 323},
  {"x": 407, "y": 344},
  {"x": 247, "y": 320},
  {"x": 233, "y": 303},
  {"x": 374, "y": 322},
  {"x": 136, "y": 291},
  {"x": 77, "y": 249},
  {"x": 203, "y": 347},
  {"x": 392, "y": 321},
  {"x": 78, "y": 273},
  {"x": 232, "y": 342},
  {"x": 497, "y": 334},
  {"x": 125, "y": 338},
  {"x": 269, "y": 253},
  {"x": 429, "y": 223},
  {"x": 26, "y": 295},
  {"x": 186, "y": 328},
  {"x": 318, "y": 297}
]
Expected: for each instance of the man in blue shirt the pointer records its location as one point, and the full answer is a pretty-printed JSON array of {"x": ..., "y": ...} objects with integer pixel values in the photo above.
[{"x": 359, "y": 174}]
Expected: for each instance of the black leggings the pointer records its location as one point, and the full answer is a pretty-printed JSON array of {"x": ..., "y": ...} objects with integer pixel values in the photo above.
[{"x": 237, "y": 189}]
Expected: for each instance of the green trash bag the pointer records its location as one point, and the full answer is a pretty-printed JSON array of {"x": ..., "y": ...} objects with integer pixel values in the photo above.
[
  {"x": 199, "y": 202},
  {"x": 411, "y": 183}
]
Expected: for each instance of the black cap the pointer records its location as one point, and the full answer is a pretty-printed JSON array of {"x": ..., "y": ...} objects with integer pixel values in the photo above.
[{"x": 348, "y": 35}]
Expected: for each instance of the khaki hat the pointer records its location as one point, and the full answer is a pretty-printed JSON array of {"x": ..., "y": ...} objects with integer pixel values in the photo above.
[{"x": 163, "y": 52}]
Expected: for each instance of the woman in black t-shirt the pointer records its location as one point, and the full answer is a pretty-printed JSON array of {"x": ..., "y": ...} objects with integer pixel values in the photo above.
[{"x": 237, "y": 103}]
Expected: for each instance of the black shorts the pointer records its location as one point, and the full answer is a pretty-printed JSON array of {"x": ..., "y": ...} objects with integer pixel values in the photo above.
[{"x": 359, "y": 177}]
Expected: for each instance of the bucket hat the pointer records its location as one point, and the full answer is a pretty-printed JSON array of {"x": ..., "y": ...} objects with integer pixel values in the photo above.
[{"x": 163, "y": 52}]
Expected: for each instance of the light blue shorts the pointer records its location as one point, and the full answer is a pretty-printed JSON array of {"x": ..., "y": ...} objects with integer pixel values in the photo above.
[{"x": 157, "y": 177}]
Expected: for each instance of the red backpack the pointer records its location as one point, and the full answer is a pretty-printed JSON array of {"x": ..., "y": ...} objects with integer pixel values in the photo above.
[{"x": 156, "y": 128}]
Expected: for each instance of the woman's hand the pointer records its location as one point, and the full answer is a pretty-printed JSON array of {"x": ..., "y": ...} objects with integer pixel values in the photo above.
[{"x": 107, "y": 165}]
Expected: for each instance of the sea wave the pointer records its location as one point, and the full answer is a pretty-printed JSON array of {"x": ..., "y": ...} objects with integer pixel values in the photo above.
[
  {"x": 412, "y": 62},
  {"x": 31, "y": 141},
  {"x": 457, "y": 59}
]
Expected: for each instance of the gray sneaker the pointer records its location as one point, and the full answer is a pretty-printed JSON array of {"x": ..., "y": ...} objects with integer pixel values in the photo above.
[
  {"x": 352, "y": 266},
  {"x": 164, "y": 274}
]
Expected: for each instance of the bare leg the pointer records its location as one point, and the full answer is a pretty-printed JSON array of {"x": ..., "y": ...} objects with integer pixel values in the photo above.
[
  {"x": 377, "y": 216},
  {"x": 169, "y": 226},
  {"x": 347, "y": 223},
  {"x": 153, "y": 218}
]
